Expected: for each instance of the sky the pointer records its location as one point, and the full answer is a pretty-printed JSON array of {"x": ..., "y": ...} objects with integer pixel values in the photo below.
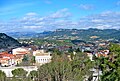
[{"x": 46, "y": 15}]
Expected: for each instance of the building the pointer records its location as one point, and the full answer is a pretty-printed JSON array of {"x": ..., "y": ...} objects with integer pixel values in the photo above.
[
  {"x": 20, "y": 52},
  {"x": 42, "y": 57},
  {"x": 103, "y": 53},
  {"x": 7, "y": 59},
  {"x": 90, "y": 55}
]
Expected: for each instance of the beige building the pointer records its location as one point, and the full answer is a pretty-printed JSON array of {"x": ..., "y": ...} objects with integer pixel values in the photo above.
[
  {"x": 42, "y": 57},
  {"x": 7, "y": 59},
  {"x": 20, "y": 52}
]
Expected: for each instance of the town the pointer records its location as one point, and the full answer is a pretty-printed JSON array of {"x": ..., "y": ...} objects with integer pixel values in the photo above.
[
  {"x": 59, "y": 40},
  {"x": 31, "y": 55}
]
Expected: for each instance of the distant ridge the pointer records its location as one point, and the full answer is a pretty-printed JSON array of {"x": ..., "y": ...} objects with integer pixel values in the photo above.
[{"x": 84, "y": 34}]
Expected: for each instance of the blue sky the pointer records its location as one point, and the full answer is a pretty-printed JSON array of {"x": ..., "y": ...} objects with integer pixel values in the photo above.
[{"x": 43, "y": 15}]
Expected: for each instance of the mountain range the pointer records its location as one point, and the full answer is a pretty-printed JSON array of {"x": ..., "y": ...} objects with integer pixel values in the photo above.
[{"x": 84, "y": 34}]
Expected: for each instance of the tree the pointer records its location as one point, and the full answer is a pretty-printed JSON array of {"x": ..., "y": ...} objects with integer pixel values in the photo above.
[
  {"x": 33, "y": 75},
  {"x": 33, "y": 60},
  {"x": 19, "y": 72},
  {"x": 44, "y": 72},
  {"x": 81, "y": 66},
  {"x": 62, "y": 69},
  {"x": 110, "y": 66},
  {"x": 2, "y": 76},
  {"x": 25, "y": 60}
]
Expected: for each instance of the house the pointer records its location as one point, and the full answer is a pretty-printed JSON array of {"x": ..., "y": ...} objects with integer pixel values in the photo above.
[
  {"x": 20, "y": 52},
  {"x": 42, "y": 57},
  {"x": 103, "y": 53},
  {"x": 90, "y": 55},
  {"x": 7, "y": 59},
  {"x": 87, "y": 48}
]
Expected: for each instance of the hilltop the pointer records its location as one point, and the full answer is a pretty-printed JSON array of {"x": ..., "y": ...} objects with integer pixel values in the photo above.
[
  {"x": 7, "y": 41},
  {"x": 82, "y": 34}
]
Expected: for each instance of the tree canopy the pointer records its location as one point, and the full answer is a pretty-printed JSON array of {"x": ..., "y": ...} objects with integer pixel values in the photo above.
[
  {"x": 110, "y": 66},
  {"x": 19, "y": 72},
  {"x": 2, "y": 76},
  {"x": 62, "y": 69}
]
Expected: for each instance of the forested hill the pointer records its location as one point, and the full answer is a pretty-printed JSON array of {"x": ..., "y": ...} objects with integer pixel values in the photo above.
[
  {"x": 7, "y": 41},
  {"x": 85, "y": 34},
  {"x": 82, "y": 34}
]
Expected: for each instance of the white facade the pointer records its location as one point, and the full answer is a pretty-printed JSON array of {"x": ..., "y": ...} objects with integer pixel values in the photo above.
[
  {"x": 7, "y": 60},
  {"x": 38, "y": 52},
  {"x": 90, "y": 56},
  {"x": 42, "y": 57},
  {"x": 20, "y": 50}
]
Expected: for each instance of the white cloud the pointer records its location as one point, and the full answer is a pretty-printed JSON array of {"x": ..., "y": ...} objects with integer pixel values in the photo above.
[
  {"x": 61, "y": 14},
  {"x": 32, "y": 21},
  {"x": 31, "y": 14},
  {"x": 97, "y": 20},
  {"x": 32, "y": 27},
  {"x": 61, "y": 19},
  {"x": 85, "y": 6},
  {"x": 105, "y": 20}
]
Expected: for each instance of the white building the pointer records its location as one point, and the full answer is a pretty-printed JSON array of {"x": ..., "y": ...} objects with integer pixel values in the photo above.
[
  {"x": 7, "y": 59},
  {"x": 90, "y": 55},
  {"x": 20, "y": 50},
  {"x": 42, "y": 57}
]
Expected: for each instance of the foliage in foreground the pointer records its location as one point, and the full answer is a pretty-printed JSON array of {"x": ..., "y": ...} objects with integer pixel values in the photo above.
[
  {"x": 110, "y": 66},
  {"x": 2, "y": 76},
  {"x": 62, "y": 69},
  {"x": 74, "y": 68}
]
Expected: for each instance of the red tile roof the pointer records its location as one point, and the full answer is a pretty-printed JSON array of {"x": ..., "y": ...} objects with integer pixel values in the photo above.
[
  {"x": 4, "y": 59},
  {"x": 22, "y": 52},
  {"x": 11, "y": 56}
]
